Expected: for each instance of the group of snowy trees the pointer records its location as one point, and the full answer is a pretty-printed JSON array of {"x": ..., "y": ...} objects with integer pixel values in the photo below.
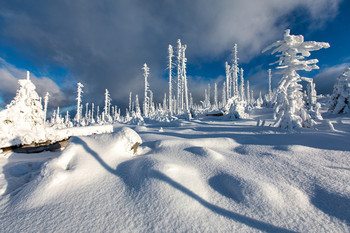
[
  {"x": 179, "y": 103},
  {"x": 293, "y": 108}
]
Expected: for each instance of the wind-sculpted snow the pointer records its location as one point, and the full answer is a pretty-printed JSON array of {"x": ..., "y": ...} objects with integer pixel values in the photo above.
[{"x": 197, "y": 176}]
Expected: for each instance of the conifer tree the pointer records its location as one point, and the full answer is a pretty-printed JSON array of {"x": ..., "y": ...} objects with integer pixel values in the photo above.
[
  {"x": 216, "y": 95},
  {"x": 290, "y": 110},
  {"x": 146, "y": 102},
  {"x": 79, "y": 92},
  {"x": 46, "y": 101},
  {"x": 340, "y": 99},
  {"x": 241, "y": 87},
  {"x": 170, "y": 66}
]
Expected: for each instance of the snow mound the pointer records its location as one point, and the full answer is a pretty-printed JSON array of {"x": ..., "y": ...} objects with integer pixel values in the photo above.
[
  {"x": 196, "y": 177},
  {"x": 81, "y": 163}
]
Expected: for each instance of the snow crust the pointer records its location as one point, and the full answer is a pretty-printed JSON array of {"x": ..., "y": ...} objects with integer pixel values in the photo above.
[{"x": 193, "y": 176}]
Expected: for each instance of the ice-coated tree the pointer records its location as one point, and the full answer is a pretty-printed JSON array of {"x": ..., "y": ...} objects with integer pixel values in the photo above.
[
  {"x": 22, "y": 122},
  {"x": 179, "y": 80},
  {"x": 270, "y": 88},
  {"x": 340, "y": 98},
  {"x": 312, "y": 106},
  {"x": 164, "y": 103},
  {"x": 87, "y": 112},
  {"x": 146, "y": 103},
  {"x": 259, "y": 101},
  {"x": 137, "y": 106},
  {"x": 235, "y": 70},
  {"x": 92, "y": 113},
  {"x": 248, "y": 93},
  {"x": 184, "y": 78},
  {"x": 224, "y": 101},
  {"x": 107, "y": 106},
  {"x": 216, "y": 95},
  {"x": 209, "y": 94},
  {"x": 170, "y": 68},
  {"x": 46, "y": 102},
  {"x": 79, "y": 92},
  {"x": 289, "y": 109},
  {"x": 191, "y": 100},
  {"x": 228, "y": 80},
  {"x": 98, "y": 118},
  {"x": 241, "y": 87}
]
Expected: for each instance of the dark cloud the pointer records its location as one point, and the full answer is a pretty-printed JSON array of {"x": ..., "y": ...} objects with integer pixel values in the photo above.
[{"x": 104, "y": 43}]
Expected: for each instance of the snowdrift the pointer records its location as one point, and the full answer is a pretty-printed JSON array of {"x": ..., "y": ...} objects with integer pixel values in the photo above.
[{"x": 198, "y": 176}]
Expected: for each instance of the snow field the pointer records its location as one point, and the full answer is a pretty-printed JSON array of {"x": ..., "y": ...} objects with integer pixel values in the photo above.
[{"x": 196, "y": 176}]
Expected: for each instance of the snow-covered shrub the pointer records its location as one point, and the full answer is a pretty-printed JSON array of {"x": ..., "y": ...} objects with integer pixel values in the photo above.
[
  {"x": 340, "y": 99},
  {"x": 290, "y": 111},
  {"x": 235, "y": 108},
  {"x": 259, "y": 101}
]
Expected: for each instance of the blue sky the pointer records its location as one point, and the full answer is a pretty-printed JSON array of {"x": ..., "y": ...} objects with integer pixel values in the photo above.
[{"x": 103, "y": 44}]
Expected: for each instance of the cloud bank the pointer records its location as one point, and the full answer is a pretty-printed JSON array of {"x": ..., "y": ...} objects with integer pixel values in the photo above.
[{"x": 104, "y": 43}]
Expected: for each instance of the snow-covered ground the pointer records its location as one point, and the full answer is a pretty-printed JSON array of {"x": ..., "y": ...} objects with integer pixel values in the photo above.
[{"x": 189, "y": 176}]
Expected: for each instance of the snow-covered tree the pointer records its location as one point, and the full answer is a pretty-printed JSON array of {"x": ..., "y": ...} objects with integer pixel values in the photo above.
[
  {"x": 270, "y": 87},
  {"x": 228, "y": 80},
  {"x": 184, "y": 79},
  {"x": 312, "y": 106},
  {"x": 340, "y": 99},
  {"x": 289, "y": 108},
  {"x": 46, "y": 101},
  {"x": 130, "y": 101},
  {"x": 107, "y": 106},
  {"x": 216, "y": 95},
  {"x": 146, "y": 103},
  {"x": 170, "y": 68},
  {"x": 79, "y": 108},
  {"x": 241, "y": 87},
  {"x": 259, "y": 101},
  {"x": 248, "y": 92},
  {"x": 224, "y": 97},
  {"x": 235, "y": 70},
  {"x": 92, "y": 113},
  {"x": 22, "y": 122},
  {"x": 179, "y": 80}
]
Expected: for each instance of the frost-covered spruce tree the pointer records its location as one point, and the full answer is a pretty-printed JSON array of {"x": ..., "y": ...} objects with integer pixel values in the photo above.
[
  {"x": 216, "y": 96},
  {"x": 270, "y": 86},
  {"x": 170, "y": 68},
  {"x": 22, "y": 122},
  {"x": 259, "y": 101},
  {"x": 289, "y": 109},
  {"x": 107, "y": 107},
  {"x": 241, "y": 87},
  {"x": 224, "y": 99},
  {"x": 311, "y": 100},
  {"x": 138, "y": 119},
  {"x": 46, "y": 101},
  {"x": 179, "y": 80},
  {"x": 79, "y": 108},
  {"x": 340, "y": 99},
  {"x": 146, "y": 98},
  {"x": 248, "y": 92},
  {"x": 235, "y": 70},
  {"x": 228, "y": 80},
  {"x": 184, "y": 89}
]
